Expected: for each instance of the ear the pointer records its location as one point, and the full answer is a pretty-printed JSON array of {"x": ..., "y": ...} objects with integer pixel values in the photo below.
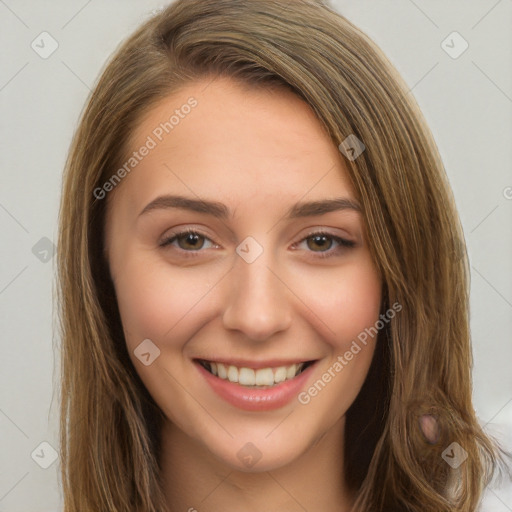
[{"x": 429, "y": 428}]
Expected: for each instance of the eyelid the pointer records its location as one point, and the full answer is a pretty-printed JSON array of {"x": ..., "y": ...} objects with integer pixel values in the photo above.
[
  {"x": 327, "y": 231},
  {"x": 344, "y": 244},
  {"x": 185, "y": 231}
]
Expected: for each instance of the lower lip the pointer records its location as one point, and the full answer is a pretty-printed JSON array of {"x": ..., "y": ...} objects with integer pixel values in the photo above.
[{"x": 253, "y": 399}]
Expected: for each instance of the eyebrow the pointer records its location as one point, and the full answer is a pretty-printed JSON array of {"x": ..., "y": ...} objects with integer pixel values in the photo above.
[{"x": 221, "y": 211}]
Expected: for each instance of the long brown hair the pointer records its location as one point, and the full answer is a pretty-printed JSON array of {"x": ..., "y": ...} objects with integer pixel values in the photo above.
[{"x": 422, "y": 364}]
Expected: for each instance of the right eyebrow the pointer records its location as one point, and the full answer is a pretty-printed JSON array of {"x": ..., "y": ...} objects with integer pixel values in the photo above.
[{"x": 214, "y": 208}]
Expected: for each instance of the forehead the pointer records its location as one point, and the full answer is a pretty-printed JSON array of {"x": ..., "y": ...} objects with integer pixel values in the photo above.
[{"x": 235, "y": 142}]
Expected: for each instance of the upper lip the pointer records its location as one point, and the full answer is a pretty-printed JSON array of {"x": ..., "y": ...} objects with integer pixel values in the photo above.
[{"x": 244, "y": 363}]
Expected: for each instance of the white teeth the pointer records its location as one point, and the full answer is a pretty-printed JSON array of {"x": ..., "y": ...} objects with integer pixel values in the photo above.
[
  {"x": 290, "y": 371},
  {"x": 280, "y": 375},
  {"x": 246, "y": 377},
  {"x": 250, "y": 377},
  {"x": 233, "y": 374},
  {"x": 221, "y": 371},
  {"x": 265, "y": 377}
]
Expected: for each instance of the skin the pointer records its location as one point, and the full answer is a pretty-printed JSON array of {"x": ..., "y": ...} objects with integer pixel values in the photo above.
[{"x": 258, "y": 152}]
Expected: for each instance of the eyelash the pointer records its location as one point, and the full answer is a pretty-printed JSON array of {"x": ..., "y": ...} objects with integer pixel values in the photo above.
[{"x": 343, "y": 243}]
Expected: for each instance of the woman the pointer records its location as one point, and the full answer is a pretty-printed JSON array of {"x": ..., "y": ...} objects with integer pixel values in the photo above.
[{"x": 263, "y": 301}]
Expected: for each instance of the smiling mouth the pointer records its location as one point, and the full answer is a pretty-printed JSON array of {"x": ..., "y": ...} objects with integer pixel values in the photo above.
[{"x": 261, "y": 378}]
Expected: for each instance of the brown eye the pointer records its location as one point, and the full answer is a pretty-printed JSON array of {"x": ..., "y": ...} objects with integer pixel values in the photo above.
[
  {"x": 322, "y": 241},
  {"x": 188, "y": 241},
  {"x": 192, "y": 241}
]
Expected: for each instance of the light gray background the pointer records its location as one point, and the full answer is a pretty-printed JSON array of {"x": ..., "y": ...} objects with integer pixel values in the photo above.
[{"x": 467, "y": 102}]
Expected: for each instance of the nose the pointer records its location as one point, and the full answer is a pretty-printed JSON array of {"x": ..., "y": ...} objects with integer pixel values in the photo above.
[{"x": 257, "y": 299}]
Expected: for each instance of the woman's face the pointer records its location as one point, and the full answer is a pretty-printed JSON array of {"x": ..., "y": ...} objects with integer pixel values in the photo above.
[{"x": 254, "y": 289}]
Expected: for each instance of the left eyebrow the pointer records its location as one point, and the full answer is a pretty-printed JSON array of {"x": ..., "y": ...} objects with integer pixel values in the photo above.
[
  {"x": 221, "y": 211},
  {"x": 322, "y": 207}
]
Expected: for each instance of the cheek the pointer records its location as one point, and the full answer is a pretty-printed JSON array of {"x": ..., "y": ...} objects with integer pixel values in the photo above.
[
  {"x": 350, "y": 308},
  {"x": 156, "y": 302},
  {"x": 360, "y": 300},
  {"x": 345, "y": 302},
  {"x": 161, "y": 303}
]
